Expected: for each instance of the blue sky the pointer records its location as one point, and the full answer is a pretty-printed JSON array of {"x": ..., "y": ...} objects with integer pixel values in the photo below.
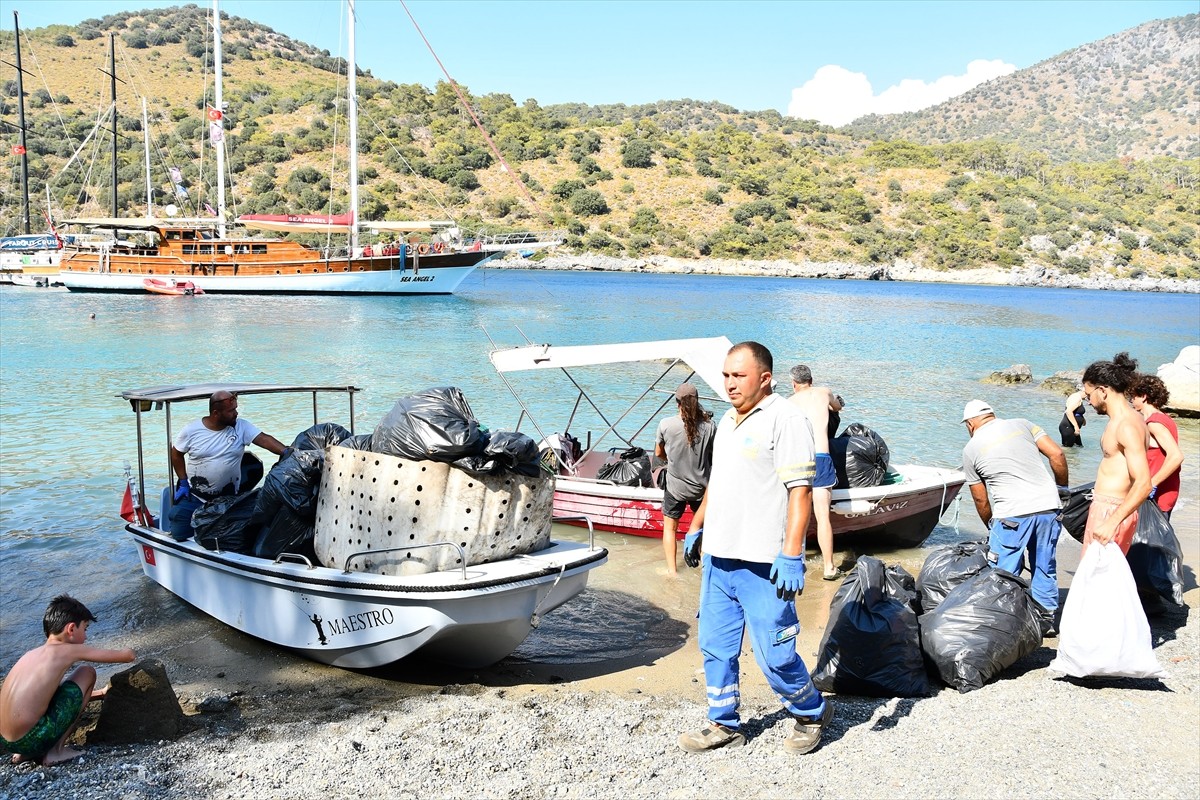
[{"x": 752, "y": 54}]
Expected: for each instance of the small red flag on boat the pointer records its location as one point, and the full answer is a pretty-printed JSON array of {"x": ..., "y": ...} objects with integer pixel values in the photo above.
[
  {"x": 127, "y": 511},
  {"x": 214, "y": 115},
  {"x": 17, "y": 150}
]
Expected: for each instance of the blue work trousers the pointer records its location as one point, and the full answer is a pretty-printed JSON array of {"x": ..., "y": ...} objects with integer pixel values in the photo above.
[
  {"x": 1036, "y": 534},
  {"x": 733, "y": 594}
]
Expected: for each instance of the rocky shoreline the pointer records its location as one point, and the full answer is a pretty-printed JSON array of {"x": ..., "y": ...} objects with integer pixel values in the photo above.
[{"x": 901, "y": 271}]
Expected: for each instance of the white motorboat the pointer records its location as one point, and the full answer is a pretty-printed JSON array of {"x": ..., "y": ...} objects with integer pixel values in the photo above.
[
  {"x": 902, "y": 512},
  {"x": 349, "y": 615}
]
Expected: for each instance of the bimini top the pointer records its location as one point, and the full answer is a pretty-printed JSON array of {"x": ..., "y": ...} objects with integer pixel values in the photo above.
[
  {"x": 201, "y": 391},
  {"x": 706, "y": 357}
]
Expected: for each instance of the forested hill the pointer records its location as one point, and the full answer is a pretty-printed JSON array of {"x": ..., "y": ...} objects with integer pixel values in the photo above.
[
  {"x": 681, "y": 177},
  {"x": 1133, "y": 94}
]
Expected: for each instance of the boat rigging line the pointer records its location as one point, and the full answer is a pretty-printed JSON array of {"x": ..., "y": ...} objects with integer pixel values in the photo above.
[{"x": 462, "y": 99}]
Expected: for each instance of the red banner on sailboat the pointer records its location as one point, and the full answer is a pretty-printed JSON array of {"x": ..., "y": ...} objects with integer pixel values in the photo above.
[{"x": 128, "y": 513}]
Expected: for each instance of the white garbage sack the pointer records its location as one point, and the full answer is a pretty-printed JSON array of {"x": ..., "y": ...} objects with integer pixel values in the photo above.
[{"x": 1104, "y": 631}]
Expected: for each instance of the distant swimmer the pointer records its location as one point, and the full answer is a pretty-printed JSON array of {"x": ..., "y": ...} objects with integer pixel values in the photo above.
[{"x": 93, "y": 315}]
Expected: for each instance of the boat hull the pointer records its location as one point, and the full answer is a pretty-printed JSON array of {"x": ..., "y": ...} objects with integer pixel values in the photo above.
[
  {"x": 359, "y": 620},
  {"x": 442, "y": 280},
  {"x": 282, "y": 267},
  {"x": 901, "y": 514}
]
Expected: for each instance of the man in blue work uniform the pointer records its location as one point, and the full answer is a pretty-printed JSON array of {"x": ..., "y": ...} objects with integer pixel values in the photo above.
[
  {"x": 754, "y": 517},
  {"x": 1017, "y": 498}
]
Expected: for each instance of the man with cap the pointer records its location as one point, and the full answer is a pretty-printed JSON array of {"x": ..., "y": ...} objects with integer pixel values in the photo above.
[
  {"x": 819, "y": 404},
  {"x": 1016, "y": 498},
  {"x": 684, "y": 443}
]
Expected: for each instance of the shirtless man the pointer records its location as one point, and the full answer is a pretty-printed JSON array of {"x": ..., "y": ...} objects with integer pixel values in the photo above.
[
  {"x": 816, "y": 402},
  {"x": 1123, "y": 479},
  {"x": 38, "y": 707}
]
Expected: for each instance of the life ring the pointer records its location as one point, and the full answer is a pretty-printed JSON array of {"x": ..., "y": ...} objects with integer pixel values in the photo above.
[
  {"x": 422, "y": 249},
  {"x": 439, "y": 247}
]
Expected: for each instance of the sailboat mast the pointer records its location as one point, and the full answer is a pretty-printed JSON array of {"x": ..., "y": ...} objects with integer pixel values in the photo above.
[
  {"x": 219, "y": 105},
  {"x": 146, "y": 139},
  {"x": 112, "y": 76},
  {"x": 21, "y": 124},
  {"x": 352, "y": 105}
]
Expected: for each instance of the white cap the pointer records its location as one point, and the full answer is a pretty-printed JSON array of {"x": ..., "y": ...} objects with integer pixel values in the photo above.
[{"x": 976, "y": 408}]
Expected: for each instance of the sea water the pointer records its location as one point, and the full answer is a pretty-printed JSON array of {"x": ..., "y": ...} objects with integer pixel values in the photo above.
[{"x": 905, "y": 357}]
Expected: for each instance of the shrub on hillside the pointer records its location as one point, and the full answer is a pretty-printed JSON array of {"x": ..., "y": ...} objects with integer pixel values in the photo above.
[
  {"x": 588, "y": 202},
  {"x": 638, "y": 154}
]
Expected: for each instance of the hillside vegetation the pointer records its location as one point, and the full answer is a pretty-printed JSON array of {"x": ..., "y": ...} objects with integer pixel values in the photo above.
[
  {"x": 1133, "y": 94},
  {"x": 683, "y": 178}
]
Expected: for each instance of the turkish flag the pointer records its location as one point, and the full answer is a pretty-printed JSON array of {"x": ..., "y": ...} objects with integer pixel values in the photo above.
[
  {"x": 127, "y": 511},
  {"x": 18, "y": 150},
  {"x": 214, "y": 114}
]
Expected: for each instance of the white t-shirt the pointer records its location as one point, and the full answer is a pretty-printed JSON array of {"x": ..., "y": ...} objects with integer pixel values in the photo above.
[
  {"x": 214, "y": 458},
  {"x": 754, "y": 465}
]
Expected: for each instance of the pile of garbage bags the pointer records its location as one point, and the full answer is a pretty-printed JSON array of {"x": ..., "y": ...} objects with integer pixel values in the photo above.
[
  {"x": 960, "y": 620},
  {"x": 433, "y": 425}
]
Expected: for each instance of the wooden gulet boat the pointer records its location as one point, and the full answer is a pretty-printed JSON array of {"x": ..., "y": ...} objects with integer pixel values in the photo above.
[
  {"x": 901, "y": 513},
  {"x": 354, "y": 614},
  {"x": 200, "y": 250}
]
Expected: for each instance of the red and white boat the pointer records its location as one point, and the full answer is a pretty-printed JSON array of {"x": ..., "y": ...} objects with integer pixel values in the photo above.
[
  {"x": 902, "y": 512},
  {"x": 171, "y": 287}
]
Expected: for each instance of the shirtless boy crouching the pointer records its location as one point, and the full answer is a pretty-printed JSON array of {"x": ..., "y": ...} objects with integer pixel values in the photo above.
[{"x": 38, "y": 706}]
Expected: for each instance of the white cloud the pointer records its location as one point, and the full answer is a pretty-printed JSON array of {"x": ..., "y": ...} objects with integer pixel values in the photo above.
[{"x": 836, "y": 95}]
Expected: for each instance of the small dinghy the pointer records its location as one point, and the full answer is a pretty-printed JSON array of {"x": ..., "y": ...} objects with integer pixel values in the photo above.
[{"x": 171, "y": 287}]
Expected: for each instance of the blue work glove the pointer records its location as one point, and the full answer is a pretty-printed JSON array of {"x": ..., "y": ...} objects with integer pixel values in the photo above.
[
  {"x": 691, "y": 547},
  {"x": 182, "y": 490},
  {"x": 1153, "y": 492},
  {"x": 787, "y": 573}
]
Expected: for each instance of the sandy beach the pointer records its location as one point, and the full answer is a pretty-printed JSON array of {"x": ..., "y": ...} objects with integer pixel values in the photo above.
[{"x": 550, "y": 723}]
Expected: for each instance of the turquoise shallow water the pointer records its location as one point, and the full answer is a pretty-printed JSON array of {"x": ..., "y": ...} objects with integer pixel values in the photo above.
[{"x": 905, "y": 356}]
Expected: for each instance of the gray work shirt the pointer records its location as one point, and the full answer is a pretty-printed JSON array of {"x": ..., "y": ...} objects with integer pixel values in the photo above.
[
  {"x": 755, "y": 463},
  {"x": 1003, "y": 454},
  {"x": 688, "y": 465}
]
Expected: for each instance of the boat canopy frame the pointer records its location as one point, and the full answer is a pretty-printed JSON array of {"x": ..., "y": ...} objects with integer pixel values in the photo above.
[
  {"x": 703, "y": 357},
  {"x": 156, "y": 398}
]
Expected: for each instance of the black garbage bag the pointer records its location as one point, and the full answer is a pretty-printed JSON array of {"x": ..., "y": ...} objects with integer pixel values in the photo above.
[
  {"x": 1155, "y": 555},
  {"x": 872, "y": 644},
  {"x": 947, "y": 567},
  {"x": 225, "y": 523},
  {"x": 983, "y": 627},
  {"x": 292, "y": 483},
  {"x": 860, "y": 457},
  {"x": 903, "y": 587},
  {"x": 433, "y": 425},
  {"x": 320, "y": 436},
  {"x": 1076, "y": 506},
  {"x": 288, "y": 532},
  {"x": 632, "y": 468},
  {"x": 360, "y": 441},
  {"x": 505, "y": 451}
]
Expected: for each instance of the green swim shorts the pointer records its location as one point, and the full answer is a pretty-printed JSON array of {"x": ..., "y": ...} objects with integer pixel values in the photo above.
[{"x": 64, "y": 708}]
